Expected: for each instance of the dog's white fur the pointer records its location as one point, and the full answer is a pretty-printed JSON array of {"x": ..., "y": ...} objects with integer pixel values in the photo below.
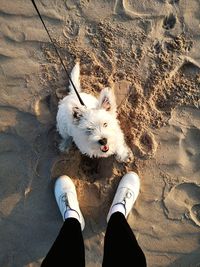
[{"x": 87, "y": 125}]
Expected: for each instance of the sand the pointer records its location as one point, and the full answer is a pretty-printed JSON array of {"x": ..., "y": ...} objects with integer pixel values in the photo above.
[{"x": 148, "y": 51}]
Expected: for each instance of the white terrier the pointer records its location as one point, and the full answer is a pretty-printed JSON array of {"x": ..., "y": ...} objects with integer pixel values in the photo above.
[{"x": 94, "y": 127}]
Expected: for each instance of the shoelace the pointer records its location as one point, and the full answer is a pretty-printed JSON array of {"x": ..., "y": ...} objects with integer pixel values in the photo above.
[
  {"x": 128, "y": 195},
  {"x": 65, "y": 200}
]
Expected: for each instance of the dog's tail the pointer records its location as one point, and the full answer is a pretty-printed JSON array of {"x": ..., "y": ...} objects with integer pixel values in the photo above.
[{"x": 75, "y": 76}]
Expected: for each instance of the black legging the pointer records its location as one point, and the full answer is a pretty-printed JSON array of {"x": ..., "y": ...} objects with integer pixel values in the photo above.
[{"x": 120, "y": 246}]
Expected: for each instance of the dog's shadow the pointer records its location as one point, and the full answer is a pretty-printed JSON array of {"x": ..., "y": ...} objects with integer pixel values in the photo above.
[
  {"x": 79, "y": 166},
  {"x": 97, "y": 169}
]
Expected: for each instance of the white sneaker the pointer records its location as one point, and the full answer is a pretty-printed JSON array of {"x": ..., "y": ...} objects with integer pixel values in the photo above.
[
  {"x": 126, "y": 194},
  {"x": 66, "y": 198}
]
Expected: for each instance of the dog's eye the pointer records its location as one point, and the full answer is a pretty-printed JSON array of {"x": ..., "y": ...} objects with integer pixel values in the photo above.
[
  {"x": 105, "y": 124},
  {"x": 89, "y": 131}
]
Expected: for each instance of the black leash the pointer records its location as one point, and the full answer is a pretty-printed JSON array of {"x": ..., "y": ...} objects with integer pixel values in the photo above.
[{"x": 61, "y": 61}]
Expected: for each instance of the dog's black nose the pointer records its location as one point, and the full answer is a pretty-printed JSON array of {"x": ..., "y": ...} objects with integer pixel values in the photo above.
[{"x": 103, "y": 141}]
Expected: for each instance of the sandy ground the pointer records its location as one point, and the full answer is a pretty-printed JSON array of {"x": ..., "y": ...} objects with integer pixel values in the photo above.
[{"x": 148, "y": 51}]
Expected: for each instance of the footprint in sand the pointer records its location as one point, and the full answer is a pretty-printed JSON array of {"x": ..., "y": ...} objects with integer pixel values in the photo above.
[
  {"x": 183, "y": 201},
  {"x": 145, "y": 146},
  {"x": 174, "y": 2},
  {"x": 46, "y": 108},
  {"x": 169, "y": 22},
  {"x": 121, "y": 7}
]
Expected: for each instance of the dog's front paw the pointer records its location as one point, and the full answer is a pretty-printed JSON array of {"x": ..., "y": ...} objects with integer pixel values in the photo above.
[
  {"x": 129, "y": 157},
  {"x": 126, "y": 157}
]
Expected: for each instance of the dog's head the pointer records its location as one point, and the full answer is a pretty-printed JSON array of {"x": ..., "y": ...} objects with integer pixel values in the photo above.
[{"x": 98, "y": 125}]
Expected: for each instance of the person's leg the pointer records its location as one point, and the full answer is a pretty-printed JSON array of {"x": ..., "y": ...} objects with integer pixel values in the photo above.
[
  {"x": 120, "y": 245},
  {"x": 68, "y": 248}
]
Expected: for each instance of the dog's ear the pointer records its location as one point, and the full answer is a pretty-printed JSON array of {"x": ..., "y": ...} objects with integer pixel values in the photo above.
[
  {"x": 77, "y": 114},
  {"x": 107, "y": 100}
]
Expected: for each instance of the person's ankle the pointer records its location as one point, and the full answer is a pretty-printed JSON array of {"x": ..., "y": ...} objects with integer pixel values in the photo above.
[
  {"x": 71, "y": 214},
  {"x": 118, "y": 208}
]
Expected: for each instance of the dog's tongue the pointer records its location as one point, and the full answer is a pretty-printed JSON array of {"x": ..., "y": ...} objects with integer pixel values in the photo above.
[{"x": 104, "y": 148}]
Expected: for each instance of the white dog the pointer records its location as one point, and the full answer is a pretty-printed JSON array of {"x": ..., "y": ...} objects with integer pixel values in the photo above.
[{"x": 94, "y": 127}]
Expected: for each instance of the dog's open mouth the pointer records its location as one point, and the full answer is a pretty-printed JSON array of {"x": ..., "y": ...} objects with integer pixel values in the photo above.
[{"x": 104, "y": 148}]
